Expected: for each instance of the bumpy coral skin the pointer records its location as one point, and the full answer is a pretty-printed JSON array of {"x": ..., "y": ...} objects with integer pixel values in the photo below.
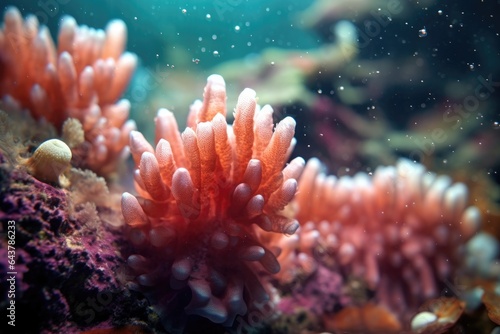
[
  {"x": 402, "y": 230},
  {"x": 323, "y": 292},
  {"x": 66, "y": 280},
  {"x": 82, "y": 78},
  {"x": 205, "y": 199}
]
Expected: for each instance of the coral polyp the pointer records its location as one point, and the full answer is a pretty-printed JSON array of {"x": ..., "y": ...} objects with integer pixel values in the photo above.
[
  {"x": 401, "y": 230},
  {"x": 205, "y": 198},
  {"x": 82, "y": 78}
]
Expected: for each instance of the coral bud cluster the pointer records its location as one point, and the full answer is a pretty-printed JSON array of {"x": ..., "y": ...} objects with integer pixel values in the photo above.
[
  {"x": 205, "y": 198},
  {"x": 401, "y": 230},
  {"x": 82, "y": 78}
]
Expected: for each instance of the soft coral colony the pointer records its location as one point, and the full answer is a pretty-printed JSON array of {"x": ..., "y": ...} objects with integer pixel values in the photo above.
[
  {"x": 202, "y": 197},
  {"x": 401, "y": 230},
  {"x": 81, "y": 79},
  {"x": 219, "y": 215}
]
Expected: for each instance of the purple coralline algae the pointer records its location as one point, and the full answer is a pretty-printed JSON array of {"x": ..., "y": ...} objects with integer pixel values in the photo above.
[
  {"x": 321, "y": 293},
  {"x": 66, "y": 277}
]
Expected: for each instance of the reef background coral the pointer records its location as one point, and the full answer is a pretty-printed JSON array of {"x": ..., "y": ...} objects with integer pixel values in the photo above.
[{"x": 82, "y": 78}]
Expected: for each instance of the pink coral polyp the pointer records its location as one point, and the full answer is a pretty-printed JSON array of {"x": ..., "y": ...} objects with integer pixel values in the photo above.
[
  {"x": 401, "y": 230},
  {"x": 206, "y": 198},
  {"x": 82, "y": 77}
]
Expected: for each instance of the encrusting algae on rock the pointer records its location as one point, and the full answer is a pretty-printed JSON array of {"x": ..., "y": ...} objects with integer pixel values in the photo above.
[{"x": 67, "y": 258}]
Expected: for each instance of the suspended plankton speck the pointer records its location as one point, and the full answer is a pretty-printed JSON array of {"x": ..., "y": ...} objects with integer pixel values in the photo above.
[
  {"x": 422, "y": 32},
  {"x": 496, "y": 125},
  {"x": 208, "y": 16},
  {"x": 237, "y": 28},
  {"x": 216, "y": 53},
  {"x": 440, "y": 12},
  {"x": 184, "y": 10},
  {"x": 196, "y": 61},
  {"x": 341, "y": 88}
]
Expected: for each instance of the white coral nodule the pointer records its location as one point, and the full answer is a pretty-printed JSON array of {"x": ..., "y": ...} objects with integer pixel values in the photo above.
[{"x": 49, "y": 161}]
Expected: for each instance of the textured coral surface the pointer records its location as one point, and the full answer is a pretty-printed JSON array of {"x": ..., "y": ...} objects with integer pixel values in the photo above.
[
  {"x": 205, "y": 198},
  {"x": 323, "y": 292},
  {"x": 83, "y": 77},
  {"x": 66, "y": 266},
  {"x": 401, "y": 230}
]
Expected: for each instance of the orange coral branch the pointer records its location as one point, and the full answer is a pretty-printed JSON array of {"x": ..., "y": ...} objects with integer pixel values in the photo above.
[
  {"x": 207, "y": 191},
  {"x": 83, "y": 79}
]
